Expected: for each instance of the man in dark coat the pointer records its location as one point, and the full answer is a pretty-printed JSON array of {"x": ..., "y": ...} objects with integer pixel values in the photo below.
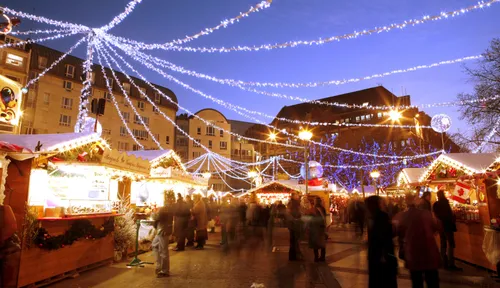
[
  {"x": 182, "y": 215},
  {"x": 443, "y": 212}
]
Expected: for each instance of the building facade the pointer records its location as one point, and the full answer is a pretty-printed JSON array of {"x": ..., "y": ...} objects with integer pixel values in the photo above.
[
  {"x": 14, "y": 64},
  {"x": 51, "y": 104}
]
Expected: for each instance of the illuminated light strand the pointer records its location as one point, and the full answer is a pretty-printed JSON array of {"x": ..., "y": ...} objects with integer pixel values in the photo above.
[
  {"x": 350, "y": 166},
  {"x": 45, "y": 20},
  {"x": 23, "y": 42},
  {"x": 184, "y": 109},
  {"x": 34, "y": 80},
  {"x": 41, "y": 31},
  {"x": 232, "y": 161},
  {"x": 115, "y": 103},
  {"x": 120, "y": 17},
  {"x": 488, "y": 137},
  {"x": 286, "y": 172},
  {"x": 353, "y": 35},
  {"x": 224, "y": 180},
  {"x": 87, "y": 85},
  {"x": 240, "y": 83},
  {"x": 125, "y": 94},
  {"x": 223, "y": 24},
  {"x": 233, "y": 107}
]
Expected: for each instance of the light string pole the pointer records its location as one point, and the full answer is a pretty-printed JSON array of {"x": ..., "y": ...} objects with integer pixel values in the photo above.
[
  {"x": 306, "y": 136},
  {"x": 87, "y": 83}
]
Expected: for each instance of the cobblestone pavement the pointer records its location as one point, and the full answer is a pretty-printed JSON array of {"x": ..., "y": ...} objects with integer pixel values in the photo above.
[{"x": 253, "y": 262}]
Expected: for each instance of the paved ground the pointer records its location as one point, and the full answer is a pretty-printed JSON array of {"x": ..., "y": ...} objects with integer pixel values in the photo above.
[{"x": 253, "y": 262}]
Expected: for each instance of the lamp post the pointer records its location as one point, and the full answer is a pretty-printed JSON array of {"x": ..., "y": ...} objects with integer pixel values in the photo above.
[
  {"x": 272, "y": 137},
  {"x": 306, "y": 135},
  {"x": 375, "y": 175}
]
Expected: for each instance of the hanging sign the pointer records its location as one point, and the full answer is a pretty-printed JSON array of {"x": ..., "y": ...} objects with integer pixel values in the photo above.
[
  {"x": 123, "y": 161},
  {"x": 461, "y": 192}
]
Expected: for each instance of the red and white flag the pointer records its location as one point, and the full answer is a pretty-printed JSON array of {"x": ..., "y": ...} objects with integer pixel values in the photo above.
[{"x": 461, "y": 192}]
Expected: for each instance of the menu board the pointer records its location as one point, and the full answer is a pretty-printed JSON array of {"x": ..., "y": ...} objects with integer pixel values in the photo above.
[{"x": 82, "y": 183}]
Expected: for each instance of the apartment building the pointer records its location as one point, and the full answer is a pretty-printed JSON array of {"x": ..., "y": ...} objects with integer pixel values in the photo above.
[
  {"x": 52, "y": 103},
  {"x": 14, "y": 64}
]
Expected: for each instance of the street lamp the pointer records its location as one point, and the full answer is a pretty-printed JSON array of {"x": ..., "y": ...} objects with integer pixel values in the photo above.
[
  {"x": 375, "y": 175},
  {"x": 394, "y": 115},
  {"x": 252, "y": 175},
  {"x": 272, "y": 137},
  {"x": 306, "y": 135}
]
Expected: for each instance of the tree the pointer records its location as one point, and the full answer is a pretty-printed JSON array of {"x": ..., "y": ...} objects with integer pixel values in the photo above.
[{"x": 481, "y": 109}]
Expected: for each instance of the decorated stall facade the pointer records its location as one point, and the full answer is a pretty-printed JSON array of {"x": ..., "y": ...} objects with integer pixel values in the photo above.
[
  {"x": 465, "y": 180},
  {"x": 63, "y": 193}
]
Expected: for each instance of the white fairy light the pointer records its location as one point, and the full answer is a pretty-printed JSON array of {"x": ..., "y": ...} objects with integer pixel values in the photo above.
[
  {"x": 125, "y": 94},
  {"x": 23, "y": 42},
  {"x": 119, "y": 18},
  {"x": 87, "y": 85},
  {"x": 237, "y": 109},
  {"x": 321, "y": 41},
  {"x": 115, "y": 103},
  {"x": 188, "y": 111},
  {"x": 46, "y": 31},
  {"x": 488, "y": 137},
  {"x": 32, "y": 81},
  {"x": 76, "y": 27}
]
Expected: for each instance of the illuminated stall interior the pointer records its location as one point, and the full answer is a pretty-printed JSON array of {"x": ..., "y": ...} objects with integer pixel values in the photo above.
[{"x": 271, "y": 192}]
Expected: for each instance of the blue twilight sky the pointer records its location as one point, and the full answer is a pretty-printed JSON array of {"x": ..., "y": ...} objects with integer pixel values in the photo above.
[{"x": 161, "y": 21}]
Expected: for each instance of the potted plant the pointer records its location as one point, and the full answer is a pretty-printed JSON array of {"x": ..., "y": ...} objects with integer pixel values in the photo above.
[{"x": 125, "y": 230}]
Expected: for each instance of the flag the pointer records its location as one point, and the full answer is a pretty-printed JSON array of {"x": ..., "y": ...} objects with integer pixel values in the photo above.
[{"x": 461, "y": 192}]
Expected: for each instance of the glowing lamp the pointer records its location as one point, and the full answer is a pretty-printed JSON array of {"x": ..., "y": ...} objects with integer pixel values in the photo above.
[
  {"x": 305, "y": 135},
  {"x": 206, "y": 175},
  {"x": 394, "y": 115},
  {"x": 374, "y": 174}
]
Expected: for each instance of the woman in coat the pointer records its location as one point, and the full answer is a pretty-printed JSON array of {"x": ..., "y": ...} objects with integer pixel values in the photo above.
[
  {"x": 199, "y": 212},
  {"x": 317, "y": 231},
  {"x": 382, "y": 263}
]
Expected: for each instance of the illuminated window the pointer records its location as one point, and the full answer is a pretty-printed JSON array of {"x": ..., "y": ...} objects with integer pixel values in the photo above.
[
  {"x": 379, "y": 114},
  {"x": 357, "y": 118},
  {"x": 14, "y": 60},
  {"x": 365, "y": 104},
  {"x": 126, "y": 87}
]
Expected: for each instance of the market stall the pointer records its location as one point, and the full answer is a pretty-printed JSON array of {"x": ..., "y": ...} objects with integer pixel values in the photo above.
[
  {"x": 407, "y": 181},
  {"x": 70, "y": 183},
  {"x": 466, "y": 182}
]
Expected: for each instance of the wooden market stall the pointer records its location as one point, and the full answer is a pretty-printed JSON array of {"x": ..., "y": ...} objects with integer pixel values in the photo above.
[
  {"x": 63, "y": 194},
  {"x": 464, "y": 179},
  {"x": 407, "y": 181}
]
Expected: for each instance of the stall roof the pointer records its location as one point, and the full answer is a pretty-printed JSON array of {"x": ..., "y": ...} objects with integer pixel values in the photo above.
[
  {"x": 412, "y": 175},
  {"x": 157, "y": 155},
  {"x": 472, "y": 163},
  {"x": 49, "y": 142},
  {"x": 268, "y": 184}
]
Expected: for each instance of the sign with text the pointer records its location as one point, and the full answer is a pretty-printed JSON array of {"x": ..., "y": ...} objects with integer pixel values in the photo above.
[{"x": 123, "y": 161}]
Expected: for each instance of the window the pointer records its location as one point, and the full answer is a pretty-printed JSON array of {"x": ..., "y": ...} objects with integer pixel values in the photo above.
[
  {"x": 142, "y": 92},
  {"x": 210, "y": 131},
  {"x": 42, "y": 62},
  {"x": 14, "y": 60},
  {"x": 198, "y": 131},
  {"x": 46, "y": 98},
  {"x": 67, "y": 103},
  {"x": 126, "y": 116},
  {"x": 137, "y": 120},
  {"x": 379, "y": 114},
  {"x": 64, "y": 120},
  {"x": 141, "y": 105},
  {"x": 362, "y": 118},
  {"x": 92, "y": 77},
  {"x": 108, "y": 96},
  {"x": 106, "y": 132},
  {"x": 123, "y": 131},
  {"x": 126, "y": 87},
  {"x": 111, "y": 83},
  {"x": 167, "y": 140},
  {"x": 223, "y": 145},
  {"x": 196, "y": 143},
  {"x": 365, "y": 104},
  {"x": 196, "y": 154},
  {"x": 210, "y": 144},
  {"x": 68, "y": 85},
  {"x": 136, "y": 147},
  {"x": 347, "y": 120},
  {"x": 157, "y": 137},
  {"x": 357, "y": 118},
  {"x": 17, "y": 79},
  {"x": 156, "y": 110},
  {"x": 157, "y": 97},
  {"x": 69, "y": 71},
  {"x": 403, "y": 143},
  {"x": 122, "y": 146},
  {"x": 221, "y": 132},
  {"x": 368, "y": 117},
  {"x": 140, "y": 134}
]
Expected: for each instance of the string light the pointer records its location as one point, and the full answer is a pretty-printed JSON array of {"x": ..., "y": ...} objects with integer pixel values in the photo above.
[
  {"x": 321, "y": 41},
  {"x": 115, "y": 103},
  {"x": 488, "y": 137},
  {"x": 125, "y": 94},
  {"x": 223, "y": 24},
  {"x": 77, "y": 27},
  {"x": 23, "y": 42},
  {"x": 46, "y": 31},
  {"x": 184, "y": 109},
  {"x": 34, "y": 80},
  {"x": 119, "y": 18},
  {"x": 87, "y": 86}
]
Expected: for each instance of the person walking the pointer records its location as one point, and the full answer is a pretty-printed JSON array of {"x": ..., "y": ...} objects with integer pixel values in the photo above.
[
  {"x": 191, "y": 223},
  {"x": 182, "y": 215},
  {"x": 382, "y": 263},
  {"x": 425, "y": 202},
  {"x": 294, "y": 222},
  {"x": 164, "y": 226},
  {"x": 420, "y": 251},
  {"x": 199, "y": 212},
  {"x": 317, "y": 231},
  {"x": 359, "y": 217},
  {"x": 448, "y": 227}
]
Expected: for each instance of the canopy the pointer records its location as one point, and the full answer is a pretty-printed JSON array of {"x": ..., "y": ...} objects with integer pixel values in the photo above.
[
  {"x": 156, "y": 156},
  {"x": 469, "y": 163},
  {"x": 272, "y": 187},
  {"x": 410, "y": 175}
]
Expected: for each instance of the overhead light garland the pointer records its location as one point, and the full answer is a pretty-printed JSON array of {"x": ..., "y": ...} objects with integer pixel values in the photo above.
[
  {"x": 119, "y": 18},
  {"x": 46, "y": 31},
  {"x": 86, "y": 85},
  {"x": 23, "y": 42},
  {"x": 321, "y": 41},
  {"x": 44, "y": 20},
  {"x": 488, "y": 137}
]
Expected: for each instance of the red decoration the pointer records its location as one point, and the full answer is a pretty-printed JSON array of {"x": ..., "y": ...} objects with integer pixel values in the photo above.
[
  {"x": 452, "y": 172},
  {"x": 55, "y": 159},
  {"x": 81, "y": 157},
  {"x": 315, "y": 182}
]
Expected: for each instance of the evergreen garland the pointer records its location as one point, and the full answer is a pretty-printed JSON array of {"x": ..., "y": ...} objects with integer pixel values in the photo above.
[{"x": 81, "y": 228}]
